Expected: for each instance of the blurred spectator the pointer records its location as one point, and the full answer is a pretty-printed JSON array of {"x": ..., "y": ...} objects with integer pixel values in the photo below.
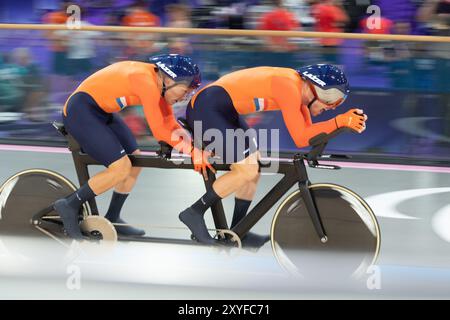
[
  {"x": 385, "y": 26},
  {"x": 10, "y": 80},
  {"x": 356, "y": 10},
  {"x": 114, "y": 18},
  {"x": 236, "y": 15},
  {"x": 254, "y": 13},
  {"x": 56, "y": 17},
  {"x": 140, "y": 45},
  {"x": 330, "y": 17},
  {"x": 112, "y": 44},
  {"x": 282, "y": 20},
  {"x": 81, "y": 49},
  {"x": 399, "y": 11},
  {"x": 279, "y": 18},
  {"x": 375, "y": 49},
  {"x": 435, "y": 14},
  {"x": 31, "y": 84},
  {"x": 57, "y": 43},
  {"x": 301, "y": 10},
  {"x": 139, "y": 16},
  {"x": 203, "y": 14},
  {"x": 59, "y": 79},
  {"x": 230, "y": 15},
  {"x": 398, "y": 54},
  {"x": 178, "y": 16}
]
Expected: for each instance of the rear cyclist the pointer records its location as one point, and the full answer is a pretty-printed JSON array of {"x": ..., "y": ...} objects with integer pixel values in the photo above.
[
  {"x": 299, "y": 94},
  {"x": 89, "y": 115}
]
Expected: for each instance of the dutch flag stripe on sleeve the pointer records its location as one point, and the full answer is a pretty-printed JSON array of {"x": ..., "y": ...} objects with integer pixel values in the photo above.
[
  {"x": 122, "y": 102},
  {"x": 259, "y": 104}
]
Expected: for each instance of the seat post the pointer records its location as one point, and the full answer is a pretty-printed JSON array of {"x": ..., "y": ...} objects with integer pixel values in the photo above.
[
  {"x": 80, "y": 165},
  {"x": 218, "y": 213},
  {"x": 81, "y": 168}
]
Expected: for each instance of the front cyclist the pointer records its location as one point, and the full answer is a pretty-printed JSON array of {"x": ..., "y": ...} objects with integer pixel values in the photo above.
[
  {"x": 299, "y": 94},
  {"x": 89, "y": 115}
]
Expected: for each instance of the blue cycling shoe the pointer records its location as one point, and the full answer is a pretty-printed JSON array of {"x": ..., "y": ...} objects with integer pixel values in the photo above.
[
  {"x": 253, "y": 240},
  {"x": 127, "y": 230},
  {"x": 196, "y": 223},
  {"x": 69, "y": 217}
]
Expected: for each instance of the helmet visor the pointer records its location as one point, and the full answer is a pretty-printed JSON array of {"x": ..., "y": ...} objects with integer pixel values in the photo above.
[
  {"x": 331, "y": 97},
  {"x": 189, "y": 94}
]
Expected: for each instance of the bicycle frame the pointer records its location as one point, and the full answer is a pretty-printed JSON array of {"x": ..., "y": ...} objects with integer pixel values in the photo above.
[{"x": 294, "y": 172}]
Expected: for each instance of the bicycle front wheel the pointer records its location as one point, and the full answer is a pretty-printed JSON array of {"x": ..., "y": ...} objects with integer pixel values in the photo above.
[
  {"x": 350, "y": 225},
  {"x": 28, "y": 192}
]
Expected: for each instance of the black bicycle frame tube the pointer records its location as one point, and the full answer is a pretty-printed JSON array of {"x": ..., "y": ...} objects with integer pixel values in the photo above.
[
  {"x": 266, "y": 203},
  {"x": 303, "y": 184},
  {"x": 220, "y": 220},
  {"x": 83, "y": 160},
  {"x": 294, "y": 172}
]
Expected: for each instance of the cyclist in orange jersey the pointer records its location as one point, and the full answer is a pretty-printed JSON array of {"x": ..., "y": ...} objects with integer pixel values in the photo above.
[
  {"x": 298, "y": 94},
  {"x": 90, "y": 116}
]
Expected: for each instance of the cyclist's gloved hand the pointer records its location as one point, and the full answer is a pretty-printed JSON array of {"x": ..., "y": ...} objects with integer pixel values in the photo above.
[
  {"x": 354, "y": 119},
  {"x": 200, "y": 161}
]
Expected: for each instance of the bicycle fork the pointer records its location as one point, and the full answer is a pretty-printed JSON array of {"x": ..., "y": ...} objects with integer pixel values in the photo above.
[{"x": 303, "y": 184}]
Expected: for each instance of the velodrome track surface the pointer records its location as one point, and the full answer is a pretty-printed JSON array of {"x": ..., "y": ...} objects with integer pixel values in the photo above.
[{"x": 411, "y": 203}]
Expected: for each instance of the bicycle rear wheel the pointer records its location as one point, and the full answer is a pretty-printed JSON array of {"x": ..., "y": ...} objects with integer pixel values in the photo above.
[
  {"x": 351, "y": 227},
  {"x": 28, "y": 192}
]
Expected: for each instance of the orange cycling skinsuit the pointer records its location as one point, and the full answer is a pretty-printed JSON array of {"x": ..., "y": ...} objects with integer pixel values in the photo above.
[
  {"x": 90, "y": 116},
  {"x": 298, "y": 94},
  {"x": 259, "y": 89},
  {"x": 219, "y": 106}
]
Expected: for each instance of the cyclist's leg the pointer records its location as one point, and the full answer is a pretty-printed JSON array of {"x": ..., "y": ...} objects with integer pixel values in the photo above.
[
  {"x": 249, "y": 175},
  {"x": 127, "y": 185},
  {"x": 245, "y": 194},
  {"x": 123, "y": 188},
  {"x": 86, "y": 122},
  {"x": 115, "y": 173},
  {"x": 242, "y": 201},
  {"x": 247, "y": 191},
  {"x": 193, "y": 216},
  {"x": 242, "y": 174},
  {"x": 128, "y": 141},
  {"x": 214, "y": 108},
  {"x": 244, "y": 157},
  {"x": 246, "y": 173}
]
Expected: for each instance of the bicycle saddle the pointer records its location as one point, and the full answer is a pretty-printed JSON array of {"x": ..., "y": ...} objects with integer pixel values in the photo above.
[
  {"x": 184, "y": 124},
  {"x": 60, "y": 127}
]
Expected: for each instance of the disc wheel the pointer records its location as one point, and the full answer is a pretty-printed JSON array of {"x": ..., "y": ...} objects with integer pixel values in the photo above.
[
  {"x": 353, "y": 233},
  {"x": 27, "y": 193}
]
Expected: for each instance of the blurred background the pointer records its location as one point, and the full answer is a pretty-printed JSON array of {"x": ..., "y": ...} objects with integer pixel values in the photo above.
[{"x": 401, "y": 85}]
